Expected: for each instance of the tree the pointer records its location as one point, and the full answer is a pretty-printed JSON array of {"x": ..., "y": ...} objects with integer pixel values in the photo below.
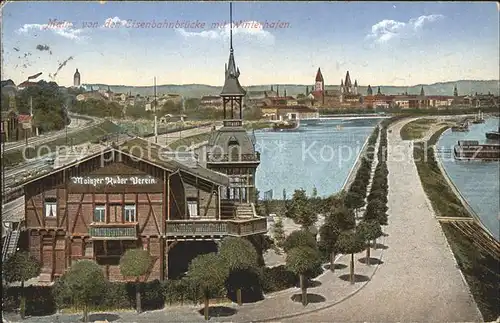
[
  {"x": 299, "y": 238},
  {"x": 345, "y": 218},
  {"x": 209, "y": 274},
  {"x": 376, "y": 205},
  {"x": 350, "y": 243},
  {"x": 279, "y": 232},
  {"x": 136, "y": 263},
  {"x": 379, "y": 194},
  {"x": 368, "y": 231},
  {"x": 239, "y": 256},
  {"x": 354, "y": 200},
  {"x": 314, "y": 192},
  {"x": 21, "y": 267},
  {"x": 329, "y": 233},
  {"x": 300, "y": 210},
  {"x": 83, "y": 283},
  {"x": 301, "y": 261}
]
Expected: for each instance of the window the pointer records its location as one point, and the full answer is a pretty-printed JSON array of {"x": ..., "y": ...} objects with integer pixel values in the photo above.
[
  {"x": 192, "y": 208},
  {"x": 50, "y": 208},
  {"x": 100, "y": 213},
  {"x": 130, "y": 214}
]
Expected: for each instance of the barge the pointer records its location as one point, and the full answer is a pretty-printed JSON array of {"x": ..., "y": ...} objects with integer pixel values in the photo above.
[
  {"x": 473, "y": 150},
  {"x": 287, "y": 125},
  {"x": 493, "y": 135}
]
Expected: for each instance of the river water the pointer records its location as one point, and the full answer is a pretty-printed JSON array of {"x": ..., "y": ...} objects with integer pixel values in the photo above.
[
  {"x": 477, "y": 181},
  {"x": 319, "y": 154}
]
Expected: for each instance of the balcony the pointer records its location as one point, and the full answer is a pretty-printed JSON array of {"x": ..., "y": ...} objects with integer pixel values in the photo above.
[
  {"x": 113, "y": 231},
  {"x": 204, "y": 228},
  {"x": 229, "y": 158}
]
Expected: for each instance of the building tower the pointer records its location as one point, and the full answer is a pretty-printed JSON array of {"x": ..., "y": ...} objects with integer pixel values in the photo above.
[
  {"x": 369, "y": 91},
  {"x": 378, "y": 91},
  {"x": 422, "y": 93},
  {"x": 76, "y": 79},
  {"x": 319, "y": 85},
  {"x": 356, "y": 87},
  {"x": 348, "y": 83},
  {"x": 230, "y": 149},
  {"x": 455, "y": 91},
  {"x": 341, "y": 86}
]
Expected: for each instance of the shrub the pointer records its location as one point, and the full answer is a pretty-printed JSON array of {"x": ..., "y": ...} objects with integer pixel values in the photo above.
[{"x": 278, "y": 278}]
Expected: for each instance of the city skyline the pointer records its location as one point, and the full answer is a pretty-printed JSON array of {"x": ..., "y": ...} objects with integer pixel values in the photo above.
[{"x": 398, "y": 44}]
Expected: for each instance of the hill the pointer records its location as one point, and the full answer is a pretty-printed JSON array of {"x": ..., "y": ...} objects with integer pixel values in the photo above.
[{"x": 199, "y": 90}]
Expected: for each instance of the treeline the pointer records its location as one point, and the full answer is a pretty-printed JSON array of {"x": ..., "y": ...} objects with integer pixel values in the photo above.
[{"x": 48, "y": 101}]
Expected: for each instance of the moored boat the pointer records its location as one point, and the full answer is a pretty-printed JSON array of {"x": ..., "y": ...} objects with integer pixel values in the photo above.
[
  {"x": 479, "y": 118},
  {"x": 286, "y": 125},
  {"x": 473, "y": 150},
  {"x": 493, "y": 135}
]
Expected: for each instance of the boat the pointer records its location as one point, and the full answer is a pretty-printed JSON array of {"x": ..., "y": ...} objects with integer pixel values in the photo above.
[
  {"x": 286, "y": 125},
  {"x": 460, "y": 128},
  {"x": 493, "y": 135},
  {"x": 479, "y": 118},
  {"x": 473, "y": 150}
]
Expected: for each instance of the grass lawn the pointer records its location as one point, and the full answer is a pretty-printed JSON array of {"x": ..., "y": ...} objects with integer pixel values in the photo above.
[
  {"x": 443, "y": 199},
  {"x": 416, "y": 129},
  {"x": 75, "y": 138},
  {"x": 479, "y": 268}
]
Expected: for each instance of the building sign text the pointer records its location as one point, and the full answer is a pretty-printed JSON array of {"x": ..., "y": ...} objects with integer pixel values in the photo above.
[{"x": 114, "y": 180}]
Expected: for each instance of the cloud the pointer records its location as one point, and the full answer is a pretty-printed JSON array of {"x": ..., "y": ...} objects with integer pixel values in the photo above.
[
  {"x": 387, "y": 30},
  {"x": 247, "y": 29},
  {"x": 114, "y": 23},
  {"x": 64, "y": 29}
]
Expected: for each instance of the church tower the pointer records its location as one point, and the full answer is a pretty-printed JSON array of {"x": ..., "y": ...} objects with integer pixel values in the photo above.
[
  {"x": 319, "y": 85},
  {"x": 76, "y": 79},
  {"x": 356, "y": 87},
  {"x": 422, "y": 93},
  {"x": 348, "y": 83},
  {"x": 369, "y": 91},
  {"x": 230, "y": 149},
  {"x": 455, "y": 91}
]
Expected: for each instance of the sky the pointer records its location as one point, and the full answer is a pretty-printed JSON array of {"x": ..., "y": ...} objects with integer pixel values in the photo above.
[{"x": 383, "y": 43}]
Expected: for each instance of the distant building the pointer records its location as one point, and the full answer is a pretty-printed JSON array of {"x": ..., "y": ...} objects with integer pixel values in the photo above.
[
  {"x": 211, "y": 102},
  {"x": 76, "y": 79}
]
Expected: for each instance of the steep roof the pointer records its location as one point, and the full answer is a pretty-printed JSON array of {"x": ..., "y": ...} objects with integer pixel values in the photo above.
[
  {"x": 157, "y": 155},
  {"x": 232, "y": 85},
  {"x": 319, "y": 76},
  {"x": 347, "y": 82}
]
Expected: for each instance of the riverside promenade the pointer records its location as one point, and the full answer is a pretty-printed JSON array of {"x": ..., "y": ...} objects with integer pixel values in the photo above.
[
  {"x": 419, "y": 280},
  {"x": 416, "y": 280}
]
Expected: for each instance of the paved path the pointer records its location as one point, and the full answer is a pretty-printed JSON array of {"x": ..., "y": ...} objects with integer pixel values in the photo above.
[{"x": 419, "y": 280}]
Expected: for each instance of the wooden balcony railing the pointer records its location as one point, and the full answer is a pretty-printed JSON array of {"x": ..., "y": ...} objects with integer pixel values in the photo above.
[
  {"x": 233, "y": 123},
  {"x": 216, "y": 157},
  {"x": 113, "y": 231},
  {"x": 196, "y": 227},
  {"x": 232, "y": 227}
]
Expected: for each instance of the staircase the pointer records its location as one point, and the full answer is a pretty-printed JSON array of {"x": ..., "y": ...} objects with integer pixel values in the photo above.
[
  {"x": 226, "y": 210},
  {"x": 244, "y": 211},
  {"x": 10, "y": 244}
]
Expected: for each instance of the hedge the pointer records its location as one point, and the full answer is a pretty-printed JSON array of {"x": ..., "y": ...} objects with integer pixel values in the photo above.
[{"x": 40, "y": 300}]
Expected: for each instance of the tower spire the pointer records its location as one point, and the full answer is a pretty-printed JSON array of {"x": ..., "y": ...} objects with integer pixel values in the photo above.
[{"x": 231, "y": 26}]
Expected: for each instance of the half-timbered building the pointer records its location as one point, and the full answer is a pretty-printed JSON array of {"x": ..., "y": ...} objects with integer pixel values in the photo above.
[{"x": 132, "y": 195}]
